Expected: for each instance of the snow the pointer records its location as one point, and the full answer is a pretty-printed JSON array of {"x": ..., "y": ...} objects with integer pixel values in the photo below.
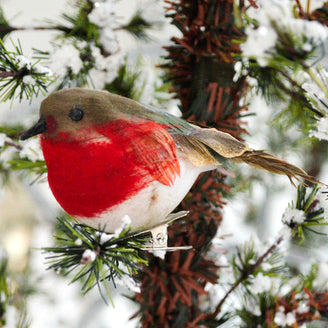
[
  {"x": 283, "y": 319},
  {"x": 7, "y": 155},
  {"x": 28, "y": 79},
  {"x": 23, "y": 62},
  {"x": 263, "y": 283},
  {"x": 65, "y": 57},
  {"x": 31, "y": 150},
  {"x": 314, "y": 31},
  {"x": 287, "y": 287},
  {"x": 252, "y": 307},
  {"x": 40, "y": 69},
  {"x": 104, "y": 237},
  {"x": 322, "y": 197},
  {"x": 78, "y": 242},
  {"x": 3, "y": 139},
  {"x": 303, "y": 307},
  {"x": 314, "y": 92},
  {"x": 321, "y": 280},
  {"x": 102, "y": 13},
  {"x": 284, "y": 232},
  {"x": 12, "y": 317},
  {"x": 108, "y": 40},
  {"x": 260, "y": 284},
  {"x": 215, "y": 295},
  {"x": 265, "y": 36},
  {"x": 321, "y": 131},
  {"x": 126, "y": 280},
  {"x": 89, "y": 255},
  {"x": 221, "y": 260},
  {"x": 105, "y": 68},
  {"x": 292, "y": 216},
  {"x": 126, "y": 222},
  {"x": 311, "y": 33},
  {"x": 266, "y": 266}
]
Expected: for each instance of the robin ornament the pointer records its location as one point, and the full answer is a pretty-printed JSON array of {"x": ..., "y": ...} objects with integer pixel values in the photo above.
[{"x": 108, "y": 156}]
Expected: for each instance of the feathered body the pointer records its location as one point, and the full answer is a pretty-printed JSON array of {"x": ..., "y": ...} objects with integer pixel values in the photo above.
[{"x": 108, "y": 156}]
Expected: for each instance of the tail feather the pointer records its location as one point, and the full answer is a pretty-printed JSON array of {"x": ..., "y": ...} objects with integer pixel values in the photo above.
[
  {"x": 262, "y": 160},
  {"x": 210, "y": 146}
]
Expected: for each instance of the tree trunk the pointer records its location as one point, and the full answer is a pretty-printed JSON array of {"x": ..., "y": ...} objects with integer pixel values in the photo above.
[{"x": 201, "y": 68}]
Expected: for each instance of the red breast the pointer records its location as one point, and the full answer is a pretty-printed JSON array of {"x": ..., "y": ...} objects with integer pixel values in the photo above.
[{"x": 88, "y": 178}]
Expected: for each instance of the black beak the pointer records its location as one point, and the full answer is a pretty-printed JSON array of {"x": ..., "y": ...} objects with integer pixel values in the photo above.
[{"x": 39, "y": 127}]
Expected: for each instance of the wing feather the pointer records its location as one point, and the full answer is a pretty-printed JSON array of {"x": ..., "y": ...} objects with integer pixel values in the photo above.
[{"x": 147, "y": 145}]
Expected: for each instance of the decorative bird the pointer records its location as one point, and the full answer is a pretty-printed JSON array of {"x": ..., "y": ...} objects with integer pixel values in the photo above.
[{"x": 109, "y": 156}]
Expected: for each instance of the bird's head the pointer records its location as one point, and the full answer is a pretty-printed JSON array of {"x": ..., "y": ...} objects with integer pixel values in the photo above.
[{"x": 70, "y": 113}]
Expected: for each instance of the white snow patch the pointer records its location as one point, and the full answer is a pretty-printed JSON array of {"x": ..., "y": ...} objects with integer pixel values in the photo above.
[
  {"x": 126, "y": 222},
  {"x": 293, "y": 215},
  {"x": 264, "y": 36},
  {"x": 108, "y": 40},
  {"x": 23, "y": 62},
  {"x": 31, "y": 150},
  {"x": 78, "y": 242},
  {"x": 89, "y": 255},
  {"x": 303, "y": 307},
  {"x": 7, "y": 155},
  {"x": 321, "y": 281},
  {"x": 322, "y": 197},
  {"x": 283, "y": 319},
  {"x": 28, "y": 79},
  {"x": 66, "y": 57},
  {"x": 3, "y": 139},
  {"x": 104, "y": 237},
  {"x": 321, "y": 131},
  {"x": 126, "y": 280},
  {"x": 262, "y": 283},
  {"x": 102, "y": 13}
]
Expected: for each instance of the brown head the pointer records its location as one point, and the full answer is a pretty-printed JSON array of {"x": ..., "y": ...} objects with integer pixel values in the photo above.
[{"x": 69, "y": 111}]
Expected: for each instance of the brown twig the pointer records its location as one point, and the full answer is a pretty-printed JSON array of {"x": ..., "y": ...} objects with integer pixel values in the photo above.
[
  {"x": 246, "y": 274},
  {"x": 11, "y": 73},
  {"x": 9, "y": 29},
  {"x": 13, "y": 144}
]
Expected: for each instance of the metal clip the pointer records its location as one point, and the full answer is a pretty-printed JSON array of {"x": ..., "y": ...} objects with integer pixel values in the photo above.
[{"x": 158, "y": 232}]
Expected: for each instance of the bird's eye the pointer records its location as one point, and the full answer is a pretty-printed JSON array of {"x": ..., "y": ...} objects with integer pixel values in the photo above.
[{"x": 76, "y": 114}]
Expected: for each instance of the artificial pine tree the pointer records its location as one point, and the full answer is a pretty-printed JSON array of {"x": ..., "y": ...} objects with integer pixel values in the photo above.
[{"x": 201, "y": 68}]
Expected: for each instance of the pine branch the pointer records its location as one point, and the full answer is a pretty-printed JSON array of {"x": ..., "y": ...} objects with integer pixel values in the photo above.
[
  {"x": 96, "y": 258},
  {"x": 138, "y": 26},
  {"x": 124, "y": 83},
  {"x": 22, "y": 156},
  {"x": 279, "y": 67},
  {"x": 20, "y": 164},
  {"x": 81, "y": 28},
  {"x": 245, "y": 275},
  {"x": 307, "y": 214},
  {"x": 4, "y": 30},
  {"x": 13, "y": 144},
  {"x": 19, "y": 76}
]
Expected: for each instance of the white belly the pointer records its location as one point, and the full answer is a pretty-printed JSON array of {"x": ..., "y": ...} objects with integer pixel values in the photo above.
[{"x": 152, "y": 204}]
